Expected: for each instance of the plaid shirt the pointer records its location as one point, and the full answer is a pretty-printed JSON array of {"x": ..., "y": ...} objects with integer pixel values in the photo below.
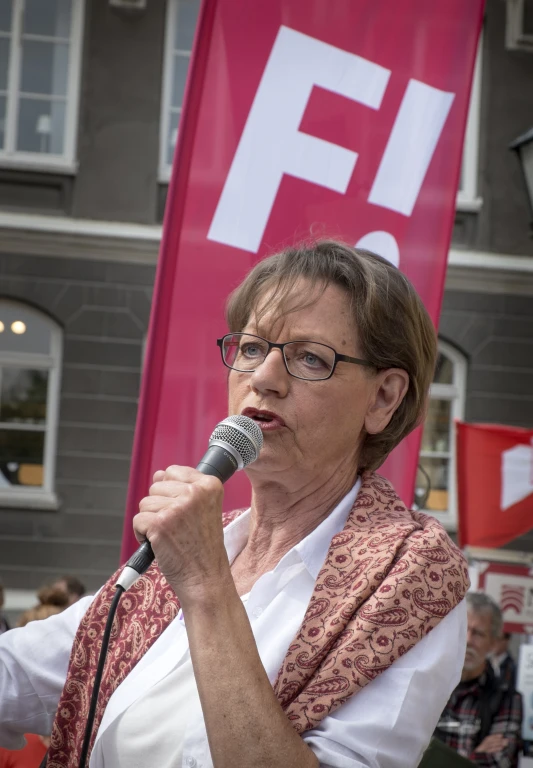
[{"x": 460, "y": 723}]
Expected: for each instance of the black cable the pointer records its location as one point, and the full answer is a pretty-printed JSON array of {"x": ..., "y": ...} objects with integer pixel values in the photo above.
[
  {"x": 97, "y": 681},
  {"x": 98, "y": 676}
]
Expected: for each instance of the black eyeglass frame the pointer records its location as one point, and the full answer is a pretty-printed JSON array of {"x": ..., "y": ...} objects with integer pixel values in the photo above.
[{"x": 273, "y": 345}]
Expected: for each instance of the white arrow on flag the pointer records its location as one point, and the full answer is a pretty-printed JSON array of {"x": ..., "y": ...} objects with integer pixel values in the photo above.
[{"x": 517, "y": 475}]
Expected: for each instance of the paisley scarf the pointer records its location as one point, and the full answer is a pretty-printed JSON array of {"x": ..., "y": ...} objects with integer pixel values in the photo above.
[{"x": 388, "y": 579}]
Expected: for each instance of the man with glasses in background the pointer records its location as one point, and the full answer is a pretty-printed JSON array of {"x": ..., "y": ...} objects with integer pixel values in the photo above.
[{"x": 483, "y": 718}]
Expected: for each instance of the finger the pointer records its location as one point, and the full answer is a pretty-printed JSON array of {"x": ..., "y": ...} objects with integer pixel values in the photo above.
[
  {"x": 158, "y": 475},
  {"x": 492, "y": 742},
  {"x": 140, "y": 527},
  {"x": 147, "y": 524},
  {"x": 183, "y": 489},
  {"x": 185, "y": 474},
  {"x": 156, "y": 503},
  {"x": 169, "y": 488}
]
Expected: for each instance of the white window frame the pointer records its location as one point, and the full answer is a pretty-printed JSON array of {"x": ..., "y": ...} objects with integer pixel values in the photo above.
[
  {"x": 44, "y": 497},
  {"x": 66, "y": 162},
  {"x": 468, "y": 198},
  {"x": 456, "y": 394},
  {"x": 165, "y": 169},
  {"x": 515, "y": 37}
]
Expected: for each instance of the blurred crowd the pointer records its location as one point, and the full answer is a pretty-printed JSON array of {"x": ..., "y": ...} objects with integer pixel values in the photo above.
[{"x": 51, "y": 599}]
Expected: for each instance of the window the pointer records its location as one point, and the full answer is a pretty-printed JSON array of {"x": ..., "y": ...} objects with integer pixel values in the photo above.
[
  {"x": 40, "y": 54},
  {"x": 181, "y": 24},
  {"x": 467, "y": 194},
  {"x": 30, "y": 359},
  {"x": 436, "y": 478},
  {"x": 519, "y": 27}
]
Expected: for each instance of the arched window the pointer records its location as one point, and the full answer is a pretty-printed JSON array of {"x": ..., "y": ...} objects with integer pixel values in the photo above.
[
  {"x": 30, "y": 360},
  {"x": 436, "y": 479}
]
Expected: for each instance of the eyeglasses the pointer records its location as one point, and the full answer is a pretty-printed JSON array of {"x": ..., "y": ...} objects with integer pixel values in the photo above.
[{"x": 309, "y": 360}]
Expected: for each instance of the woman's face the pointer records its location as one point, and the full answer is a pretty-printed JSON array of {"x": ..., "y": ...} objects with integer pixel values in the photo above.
[{"x": 313, "y": 429}]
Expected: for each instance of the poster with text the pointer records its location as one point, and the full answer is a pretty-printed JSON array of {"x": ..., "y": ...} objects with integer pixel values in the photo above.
[{"x": 323, "y": 118}]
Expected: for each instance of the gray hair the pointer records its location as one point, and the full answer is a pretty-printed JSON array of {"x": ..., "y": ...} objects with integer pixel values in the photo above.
[{"x": 479, "y": 602}]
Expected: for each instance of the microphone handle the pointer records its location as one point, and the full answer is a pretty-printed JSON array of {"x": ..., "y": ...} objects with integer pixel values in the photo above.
[{"x": 217, "y": 462}]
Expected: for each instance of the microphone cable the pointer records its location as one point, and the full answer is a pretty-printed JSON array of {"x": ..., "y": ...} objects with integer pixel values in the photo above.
[
  {"x": 99, "y": 671},
  {"x": 234, "y": 443},
  {"x": 97, "y": 681}
]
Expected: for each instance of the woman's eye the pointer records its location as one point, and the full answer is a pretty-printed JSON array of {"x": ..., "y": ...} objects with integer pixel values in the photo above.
[
  {"x": 250, "y": 350},
  {"x": 312, "y": 360}
]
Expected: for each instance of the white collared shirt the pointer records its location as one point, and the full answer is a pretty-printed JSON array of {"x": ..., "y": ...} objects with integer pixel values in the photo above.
[{"x": 385, "y": 725}]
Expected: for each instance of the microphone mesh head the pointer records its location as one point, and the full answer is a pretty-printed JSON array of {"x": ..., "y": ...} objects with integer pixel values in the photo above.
[{"x": 243, "y": 434}]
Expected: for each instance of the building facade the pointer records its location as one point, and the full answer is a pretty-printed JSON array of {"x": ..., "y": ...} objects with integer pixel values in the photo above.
[{"x": 91, "y": 95}]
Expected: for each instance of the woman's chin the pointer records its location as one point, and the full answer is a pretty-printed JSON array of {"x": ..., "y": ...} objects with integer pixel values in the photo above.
[{"x": 270, "y": 460}]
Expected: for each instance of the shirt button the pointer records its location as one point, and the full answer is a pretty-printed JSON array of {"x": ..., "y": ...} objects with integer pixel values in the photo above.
[
  {"x": 191, "y": 762},
  {"x": 257, "y": 611}
]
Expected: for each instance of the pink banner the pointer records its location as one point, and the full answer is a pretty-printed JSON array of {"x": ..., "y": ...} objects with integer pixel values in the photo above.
[{"x": 340, "y": 118}]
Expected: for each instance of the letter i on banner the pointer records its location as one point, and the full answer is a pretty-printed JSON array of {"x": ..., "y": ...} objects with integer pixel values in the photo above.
[{"x": 348, "y": 121}]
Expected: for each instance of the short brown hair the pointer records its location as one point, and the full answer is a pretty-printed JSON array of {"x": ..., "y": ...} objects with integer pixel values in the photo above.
[
  {"x": 394, "y": 328},
  {"x": 73, "y": 585},
  {"x": 52, "y": 600}
]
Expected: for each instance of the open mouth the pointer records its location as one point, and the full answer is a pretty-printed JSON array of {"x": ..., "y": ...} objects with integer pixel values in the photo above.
[{"x": 265, "y": 419}]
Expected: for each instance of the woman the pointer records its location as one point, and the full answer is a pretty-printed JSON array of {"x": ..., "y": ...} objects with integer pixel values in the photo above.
[{"x": 302, "y": 632}]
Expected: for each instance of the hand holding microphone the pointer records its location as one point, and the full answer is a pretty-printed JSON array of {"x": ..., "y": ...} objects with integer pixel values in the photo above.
[{"x": 181, "y": 518}]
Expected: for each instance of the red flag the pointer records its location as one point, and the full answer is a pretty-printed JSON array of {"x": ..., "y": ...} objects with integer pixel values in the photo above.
[
  {"x": 494, "y": 483},
  {"x": 334, "y": 117}
]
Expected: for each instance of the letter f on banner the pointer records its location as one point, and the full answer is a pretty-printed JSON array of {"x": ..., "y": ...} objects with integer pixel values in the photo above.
[{"x": 271, "y": 144}]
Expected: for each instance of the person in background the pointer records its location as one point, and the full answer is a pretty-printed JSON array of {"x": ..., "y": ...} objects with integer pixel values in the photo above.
[
  {"x": 4, "y": 626},
  {"x": 483, "y": 718},
  {"x": 52, "y": 600},
  {"x": 502, "y": 662},
  {"x": 73, "y": 587}
]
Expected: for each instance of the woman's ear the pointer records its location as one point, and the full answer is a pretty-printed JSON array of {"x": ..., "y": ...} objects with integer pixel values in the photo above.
[{"x": 391, "y": 386}]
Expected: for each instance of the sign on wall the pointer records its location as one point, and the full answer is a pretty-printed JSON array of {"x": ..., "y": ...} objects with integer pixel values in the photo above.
[
  {"x": 340, "y": 118},
  {"x": 511, "y": 586}
]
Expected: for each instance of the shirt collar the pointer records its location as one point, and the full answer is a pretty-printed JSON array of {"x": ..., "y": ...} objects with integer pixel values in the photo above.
[{"x": 311, "y": 550}]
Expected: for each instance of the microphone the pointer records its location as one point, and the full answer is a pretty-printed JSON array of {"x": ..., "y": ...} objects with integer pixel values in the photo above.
[{"x": 234, "y": 443}]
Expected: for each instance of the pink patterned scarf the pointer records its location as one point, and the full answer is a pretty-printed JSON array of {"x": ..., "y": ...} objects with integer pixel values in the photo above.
[{"x": 388, "y": 579}]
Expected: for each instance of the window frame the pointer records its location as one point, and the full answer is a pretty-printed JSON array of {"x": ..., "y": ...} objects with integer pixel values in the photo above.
[
  {"x": 165, "y": 169},
  {"x": 515, "y": 37},
  {"x": 13, "y": 158},
  {"x": 456, "y": 394},
  {"x": 43, "y": 497},
  {"x": 468, "y": 198}
]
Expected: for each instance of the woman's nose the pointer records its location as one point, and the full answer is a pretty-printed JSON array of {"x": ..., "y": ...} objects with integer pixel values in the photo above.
[{"x": 271, "y": 375}]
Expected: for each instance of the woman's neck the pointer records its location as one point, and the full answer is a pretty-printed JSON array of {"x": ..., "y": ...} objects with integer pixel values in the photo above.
[{"x": 282, "y": 516}]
